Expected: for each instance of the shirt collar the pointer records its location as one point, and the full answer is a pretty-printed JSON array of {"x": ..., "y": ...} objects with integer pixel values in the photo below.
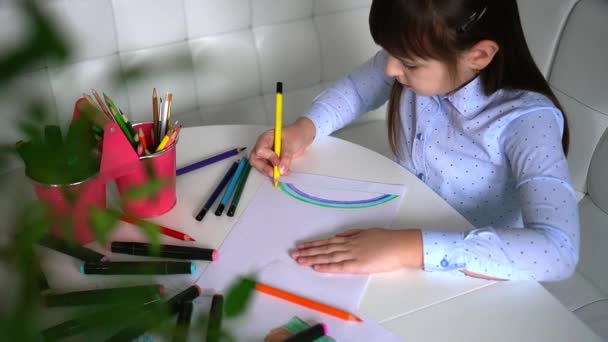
[{"x": 469, "y": 100}]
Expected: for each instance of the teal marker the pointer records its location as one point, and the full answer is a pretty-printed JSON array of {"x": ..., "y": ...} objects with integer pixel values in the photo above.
[{"x": 231, "y": 187}]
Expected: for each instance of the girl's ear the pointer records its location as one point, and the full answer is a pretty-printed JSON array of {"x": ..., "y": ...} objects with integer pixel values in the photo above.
[{"x": 481, "y": 54}]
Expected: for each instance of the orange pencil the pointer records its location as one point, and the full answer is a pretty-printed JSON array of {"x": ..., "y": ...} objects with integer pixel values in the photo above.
[
  {"x": 311, "y": 304},
  {"x": 142, "y": 140}
]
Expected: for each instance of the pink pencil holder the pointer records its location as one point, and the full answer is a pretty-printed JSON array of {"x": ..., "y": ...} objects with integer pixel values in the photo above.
[
  {"x": 159, "y": 166},
  {"x": 84, "y": 195}
]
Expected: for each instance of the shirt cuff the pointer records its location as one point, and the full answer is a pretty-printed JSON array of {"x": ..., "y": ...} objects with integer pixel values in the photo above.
[
  {"x": 319, "y": 117},
  {"x": 443, "y": 251}
]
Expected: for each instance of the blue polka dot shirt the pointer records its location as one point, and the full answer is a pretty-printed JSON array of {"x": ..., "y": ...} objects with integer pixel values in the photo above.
[{"x": 496, "y": 159}]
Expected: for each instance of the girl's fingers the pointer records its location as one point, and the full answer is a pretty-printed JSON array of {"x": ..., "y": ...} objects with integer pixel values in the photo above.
[
  {"x": 350, "y": 232},
  {"x": 263, "y": 160},
  {"x": 333, "y": 240},
  {"x": 329, "y": 258},
  {"x": 322, "y": 249},
  {"x": 347, "y": 266}
]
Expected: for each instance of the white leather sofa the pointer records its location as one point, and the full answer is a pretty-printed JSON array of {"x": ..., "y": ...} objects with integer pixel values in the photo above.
[{"x": 237, "y": 49}]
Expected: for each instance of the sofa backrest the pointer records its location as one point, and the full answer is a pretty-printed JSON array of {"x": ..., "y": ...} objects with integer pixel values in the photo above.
[{"x": 234, "y": 51}]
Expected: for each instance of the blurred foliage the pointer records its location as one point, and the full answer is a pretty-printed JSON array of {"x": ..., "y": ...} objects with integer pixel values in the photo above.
[{"x": 53, "y": 158}]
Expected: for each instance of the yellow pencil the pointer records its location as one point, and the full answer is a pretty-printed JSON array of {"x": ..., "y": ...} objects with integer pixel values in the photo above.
[
  {"x": 166, "y": 140},
  {"x": 163, "y": 143},
  {"x": 278, "y": 124}
]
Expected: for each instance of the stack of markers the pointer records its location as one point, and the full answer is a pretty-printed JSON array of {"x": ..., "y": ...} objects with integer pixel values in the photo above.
[
  {"x": 140, "y": 307},
  {"x": 237, "y": 176},
  {"x": 161, "y": 136}
]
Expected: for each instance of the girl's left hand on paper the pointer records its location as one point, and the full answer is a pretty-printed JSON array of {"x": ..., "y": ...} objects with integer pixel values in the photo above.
[{"x": 362, "y": 251}]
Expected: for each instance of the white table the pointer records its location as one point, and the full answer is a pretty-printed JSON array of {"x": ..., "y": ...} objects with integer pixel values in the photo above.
[{"x": 416, "y": 305}]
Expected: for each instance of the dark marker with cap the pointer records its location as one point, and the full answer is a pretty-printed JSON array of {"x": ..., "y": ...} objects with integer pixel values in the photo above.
[
  {"x": 310, "y": 334},
  {"x": 95, "y": 320},
  {"x": 138, "y": 267},
  {"x": 143, "y": 294},
  {"x": 165, "y": 251},
  {"x": 183, "y": 321},
  {"x": 216, "y": 313},
  {"x": 216, "y": 192},
  {"x": 71, "y": 249},
  {"x": 152, "y": 317}
]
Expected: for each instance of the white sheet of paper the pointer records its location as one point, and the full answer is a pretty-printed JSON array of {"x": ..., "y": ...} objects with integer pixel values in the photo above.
[{"x": 269, "y": 229}]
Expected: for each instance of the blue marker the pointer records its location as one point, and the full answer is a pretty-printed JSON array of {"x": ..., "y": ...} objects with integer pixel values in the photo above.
[
  {"x": 217, "y": 192},
  {"x": 231, "y": 187}
]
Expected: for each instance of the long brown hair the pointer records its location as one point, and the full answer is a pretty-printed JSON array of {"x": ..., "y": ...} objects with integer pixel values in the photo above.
[{"x": 442, "y": 30}]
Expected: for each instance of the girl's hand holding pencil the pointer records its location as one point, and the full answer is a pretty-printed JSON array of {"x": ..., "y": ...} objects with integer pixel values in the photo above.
[{"x": 295, "y": 139}]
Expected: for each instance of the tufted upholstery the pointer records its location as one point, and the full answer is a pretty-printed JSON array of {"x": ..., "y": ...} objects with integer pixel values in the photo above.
[{"x": 233, "y": 51}]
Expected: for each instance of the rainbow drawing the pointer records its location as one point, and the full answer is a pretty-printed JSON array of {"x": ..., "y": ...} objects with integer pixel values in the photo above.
[{"x": 298, "y": 194}]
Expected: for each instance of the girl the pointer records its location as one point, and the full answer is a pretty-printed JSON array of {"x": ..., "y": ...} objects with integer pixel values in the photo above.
[{"x": 471, "y": 115}]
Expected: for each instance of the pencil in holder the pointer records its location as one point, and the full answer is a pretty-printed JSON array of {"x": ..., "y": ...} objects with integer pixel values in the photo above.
[
  {"x": 72, "y": 202},
  {"x": 156, "y": 168}
]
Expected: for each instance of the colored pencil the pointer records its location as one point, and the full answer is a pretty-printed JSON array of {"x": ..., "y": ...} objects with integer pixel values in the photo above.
[
  {"x": 102, "y": 104},
  {"x": 162, "y": 124},
  {"x": 142, "y": 141},
  {"x": 163, "y": 230},
  {"x": 163, "y": 143},
  {"x": 278, "y": 125},
  {"x": 311, "y": 304},
  {"x": 169, "y": 104},
  {"x": 239, "y": 190},
  {"x": 231, "y": 187},
  {"x": 209, "y": 161},
  {"x": 155, "y": 116},
  {"x": 119, "y": 120},
  {"x": 216, "y": 192},
  {"x": 174, "y": 135}
]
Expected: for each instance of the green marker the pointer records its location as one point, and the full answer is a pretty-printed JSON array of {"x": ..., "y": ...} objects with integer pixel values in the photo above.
[{"x": 239, "y": 190}]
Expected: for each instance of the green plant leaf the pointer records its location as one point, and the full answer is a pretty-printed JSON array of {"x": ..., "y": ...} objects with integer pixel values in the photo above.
[
  {"x": 102, "y": 223},
  {"x": 238, "y": 297}
]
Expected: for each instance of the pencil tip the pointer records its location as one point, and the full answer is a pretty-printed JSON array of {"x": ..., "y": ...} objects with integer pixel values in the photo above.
[{"x": 188, "y": 238}]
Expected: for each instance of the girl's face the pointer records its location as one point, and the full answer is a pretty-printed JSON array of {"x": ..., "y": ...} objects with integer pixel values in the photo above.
[{"x": 426, "y": 77}]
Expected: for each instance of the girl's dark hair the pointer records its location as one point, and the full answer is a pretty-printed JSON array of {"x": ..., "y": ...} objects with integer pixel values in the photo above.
[{"x": 442, "y": 29}]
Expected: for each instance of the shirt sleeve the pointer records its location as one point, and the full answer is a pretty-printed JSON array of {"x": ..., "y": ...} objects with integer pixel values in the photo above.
[
  {"x": 364, "y": 89},
  {"x": 546, "y": 248}
]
